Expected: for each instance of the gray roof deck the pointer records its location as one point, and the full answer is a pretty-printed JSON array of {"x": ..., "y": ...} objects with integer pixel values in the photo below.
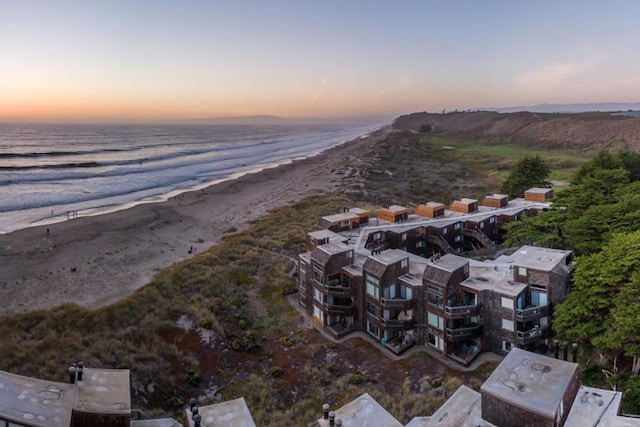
[
  {"x": 531, "y": 381},
  {"x": 34, "y": 402},
  {"x": 345, "y": 216},
  {"x": 598, "y": 407},
  {"x": 536, "y": 258},
  {"x": 390, "y": 256},
  {"x": 497, "y": 277},
  {"x": 158, "y": 422},
  {"x": 462, "y": 409},
  {"x": 334, "y": 248},
  {"x": 363, "y": 411},
  {"x": 232, "y": 413},
  {"x": 104, "y": 391},
  {"x": 326, "y": 234}
]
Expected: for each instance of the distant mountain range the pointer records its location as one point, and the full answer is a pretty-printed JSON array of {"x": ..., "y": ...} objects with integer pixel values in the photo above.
[{"x": 568, "y": 108}]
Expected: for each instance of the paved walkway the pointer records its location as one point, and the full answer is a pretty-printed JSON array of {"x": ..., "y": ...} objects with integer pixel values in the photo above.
[{"x": 481, "y": 359}]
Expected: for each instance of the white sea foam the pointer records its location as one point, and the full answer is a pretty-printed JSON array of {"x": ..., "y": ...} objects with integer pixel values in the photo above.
[{"x": 47, "y": 171}]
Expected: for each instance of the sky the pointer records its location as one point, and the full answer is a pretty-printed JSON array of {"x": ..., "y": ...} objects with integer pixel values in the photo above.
[{"x": 138, "y": 60}]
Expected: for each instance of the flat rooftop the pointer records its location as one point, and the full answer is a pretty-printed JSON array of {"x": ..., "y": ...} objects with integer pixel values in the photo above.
[
  {"x": 396, "y": 208},
  {"x": 334, "y": 248},
  {"x": 462, "y": 409},
  {"x": 449, "y": 262},
  {"x": 326, "y": 234},
  {"x": 36, "y": 402},
  {"x": 390, "y": 256},
  {"x": 489, "y": 275},
  {"x": 593, "y": 406},
  {"x": 340, "y": 217},
  {"x": 358, "y": 211},
  {"x": 537, "y": 258},
  {"x": 539, "y": 190},
  {"x": 232, "y": 413},
  {"x": 531, "y": 381},
  {"x": 104, "y": 391},
  {"x": 363, "y": 411}
]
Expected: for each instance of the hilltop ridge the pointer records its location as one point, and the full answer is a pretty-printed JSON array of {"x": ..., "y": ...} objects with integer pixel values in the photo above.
[{"x": 588, "y": 132}]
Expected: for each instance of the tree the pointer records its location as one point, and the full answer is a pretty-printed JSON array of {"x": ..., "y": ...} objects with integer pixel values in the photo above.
[
  {"x": 530, "y": 171},
  {"x": 544, "y": 229},
  {"x": 603, "y": 308}
]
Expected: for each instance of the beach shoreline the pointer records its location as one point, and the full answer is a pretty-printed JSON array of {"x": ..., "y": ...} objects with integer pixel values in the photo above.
[{"x": 96, "y": 260}]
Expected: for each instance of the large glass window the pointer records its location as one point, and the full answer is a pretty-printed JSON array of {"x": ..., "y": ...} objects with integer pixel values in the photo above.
[
  {"x": 435, "y": 321},
  {"x": 373, "y": 287}
]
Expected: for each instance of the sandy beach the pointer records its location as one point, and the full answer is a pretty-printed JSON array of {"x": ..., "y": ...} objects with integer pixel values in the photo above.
[{"x": 94, "y": 261}]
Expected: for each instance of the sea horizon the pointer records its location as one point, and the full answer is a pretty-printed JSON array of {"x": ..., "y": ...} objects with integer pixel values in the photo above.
[{"x": 55, "y": 172}]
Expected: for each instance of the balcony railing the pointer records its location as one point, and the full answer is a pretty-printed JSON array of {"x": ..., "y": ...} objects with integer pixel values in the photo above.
[
  {"x": 337, "y": 290},
  {"x": 397, "y": 323},
  {"x": 459, "y": 334},
  {"x": 339, "y": 309},
  {"x": 532, "y": 313},
  {"x": 462, "y": 311},
  {"x": 532, "y": 335},
  {"x": 397, "y": 303}
]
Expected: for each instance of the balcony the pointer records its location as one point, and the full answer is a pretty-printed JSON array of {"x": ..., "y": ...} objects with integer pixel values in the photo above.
[
  {"x": 343, "y": 310},
  {"x": 404, "y": 324},
  {"x": 339, "y": 330},
  {"x": 532, "y": 335},
  {"x": 397, "y": 304},
  {"x": 462, "y": 311},
  {"x": 337, "y": 290},
  {"x": 399, "y": 344},
  {"x": 532, "y": 313},
  {"x": 461, "y": 334}
]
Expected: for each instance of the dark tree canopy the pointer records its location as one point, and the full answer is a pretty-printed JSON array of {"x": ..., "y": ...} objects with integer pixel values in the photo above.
[{"x": 530, "y": 171}]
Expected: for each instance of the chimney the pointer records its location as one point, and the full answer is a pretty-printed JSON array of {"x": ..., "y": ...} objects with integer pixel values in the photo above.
[
  {"x": 565, "y": 347},
  {"x": 80, "y": 371},
  {"x": 338, "y": 422},
  {"x": 196, "y": 420},
  {"x": 332, "y": 419},
  {"x": 72, "y": 374},
  {"x": 325, "y": 411},
  {"x": 192, "y": 403},
  {"x": 556, "y": 348},
  {"x": 194, "y": 411},
  {"x": 574, "y": 351}
]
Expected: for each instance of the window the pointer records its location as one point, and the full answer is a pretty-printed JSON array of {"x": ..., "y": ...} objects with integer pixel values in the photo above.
[
  {"x": 482, "y": 225},
  {"x": 507, "y": 324},
  {"x": 373, "y": 309},
  {"x": 373, "y": 288},
  {"x": 420, "y": 244},
  {"x": 303, "y": 284},
  {"x": 317, "y": 274},
  {"x": 404, "y": 263},
  {"x": 458, "y": 238},
  {"x": 506, "y": 345},
  {"x": 507, "y": 303},
  {"x": 403, "y": 236},
  {"x": 444, "y": 231},
  {"x": 435, "y": 321},
  {"x": 303, "y": 267},
  {"x": 373, "y": 329},
  {"x": 492, "y": 220},
  {"x": 317, "y": 295},
  {"x": 457, "y": 226},
  {"x": 318, "y": 314},
  {"x": 350, "y": 254},
  {"x": 522, "y": 271}
]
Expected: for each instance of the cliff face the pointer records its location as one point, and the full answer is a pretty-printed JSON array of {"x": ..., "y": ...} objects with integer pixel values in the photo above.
[{"x": 587, "y": 131}]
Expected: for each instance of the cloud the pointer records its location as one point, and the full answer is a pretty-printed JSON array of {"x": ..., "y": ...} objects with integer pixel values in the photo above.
[
  {"x": 316, "y": 95},
  {"x": 629, "y": 81}
]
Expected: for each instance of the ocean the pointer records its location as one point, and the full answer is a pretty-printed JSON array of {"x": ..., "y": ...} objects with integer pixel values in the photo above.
[{"x": 49, "y": 172}]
